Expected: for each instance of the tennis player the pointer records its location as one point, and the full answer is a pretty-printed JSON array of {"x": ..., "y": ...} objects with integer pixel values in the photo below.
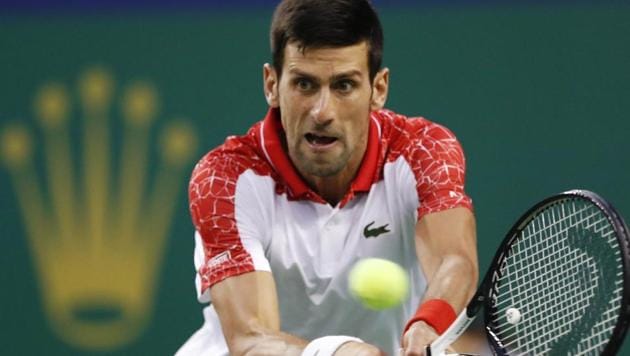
[{"x": 327, "y": 178}]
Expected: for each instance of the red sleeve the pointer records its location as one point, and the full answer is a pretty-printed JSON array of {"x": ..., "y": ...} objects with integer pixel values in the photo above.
[
  {"x": 439, "y": 166},
  {"x": 212, "y": 207}
]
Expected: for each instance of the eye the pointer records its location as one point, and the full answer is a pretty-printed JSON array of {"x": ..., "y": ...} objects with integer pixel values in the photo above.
[
  {"x": 345, "y": 85},
  {"x": 304, "y": 84}
]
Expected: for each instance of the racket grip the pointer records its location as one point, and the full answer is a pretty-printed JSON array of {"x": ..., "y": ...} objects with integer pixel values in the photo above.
[
  {"x": 401, "y": 352},
  {"x": 439, "y": 345}
]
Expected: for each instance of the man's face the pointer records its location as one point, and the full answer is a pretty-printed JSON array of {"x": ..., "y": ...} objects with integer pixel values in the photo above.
[{"x": 325, "y": 98}]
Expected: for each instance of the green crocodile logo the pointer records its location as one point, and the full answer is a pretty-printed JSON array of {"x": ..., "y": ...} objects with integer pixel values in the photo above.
[{"x": 367, "y": 232}]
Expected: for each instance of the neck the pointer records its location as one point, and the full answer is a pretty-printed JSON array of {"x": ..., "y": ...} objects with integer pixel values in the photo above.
[{"x": 333, "y": 188}]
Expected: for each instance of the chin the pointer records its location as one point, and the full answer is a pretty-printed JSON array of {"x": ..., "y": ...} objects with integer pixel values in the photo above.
[
  {"x": 323, "y": 170},
  {"x": 321, "y": 165}
]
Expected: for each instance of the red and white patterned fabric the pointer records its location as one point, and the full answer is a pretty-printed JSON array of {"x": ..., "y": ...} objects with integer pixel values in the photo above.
[{"x": 252, "y": 211}]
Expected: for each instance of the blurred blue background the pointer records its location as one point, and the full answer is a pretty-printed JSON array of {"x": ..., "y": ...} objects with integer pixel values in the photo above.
[{"x": 136, "y": 91}]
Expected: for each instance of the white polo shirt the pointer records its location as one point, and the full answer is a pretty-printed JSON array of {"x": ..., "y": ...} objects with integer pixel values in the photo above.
[{"x": 252, "y": 212}]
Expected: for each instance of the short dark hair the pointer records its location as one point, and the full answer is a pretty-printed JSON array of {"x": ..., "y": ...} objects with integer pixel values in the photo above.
[{"x": 326, "y": 23}]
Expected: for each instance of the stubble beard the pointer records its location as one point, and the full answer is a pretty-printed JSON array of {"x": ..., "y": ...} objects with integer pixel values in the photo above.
[{"x": 323, "y": 168}]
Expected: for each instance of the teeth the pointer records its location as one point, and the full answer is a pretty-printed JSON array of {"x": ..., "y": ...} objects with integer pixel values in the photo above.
[{"x": 319, "y": 140}]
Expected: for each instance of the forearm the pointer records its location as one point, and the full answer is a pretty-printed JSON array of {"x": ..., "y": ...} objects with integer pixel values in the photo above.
[
  {"x": 247, "y": 306},
  {"x": 266, "y": 342},
  {"x": 454, "y": 281},
  {"x": 447, "y": 252},
  {"x": 446, "y": 248},
  {"x": 280, "y": 343}
]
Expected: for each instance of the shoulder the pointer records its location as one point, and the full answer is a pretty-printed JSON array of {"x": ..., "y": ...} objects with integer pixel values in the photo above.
[
  {"x": 435, "y": 159},
  {"x": 229, "y": 160},
  {"x": 214, "y": 178},
  {"x": 415, "y": 137}
]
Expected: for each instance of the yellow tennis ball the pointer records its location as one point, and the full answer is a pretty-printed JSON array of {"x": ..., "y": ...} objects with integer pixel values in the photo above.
[{"x": 378, "y": 283}]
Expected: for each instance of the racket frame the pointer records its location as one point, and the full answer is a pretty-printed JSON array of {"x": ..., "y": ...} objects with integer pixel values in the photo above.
[{"x": 486, "y": 289}]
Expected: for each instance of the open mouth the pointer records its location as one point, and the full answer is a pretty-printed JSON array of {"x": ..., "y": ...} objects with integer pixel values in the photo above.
[{"x": 317, "y": 140}]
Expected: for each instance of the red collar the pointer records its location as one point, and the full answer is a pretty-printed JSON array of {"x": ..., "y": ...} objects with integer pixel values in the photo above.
[{"x": 271, "y": 141}]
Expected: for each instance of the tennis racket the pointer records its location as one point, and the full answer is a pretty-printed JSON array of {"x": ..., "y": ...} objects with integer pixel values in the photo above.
[{"x": 559, "y": 284}]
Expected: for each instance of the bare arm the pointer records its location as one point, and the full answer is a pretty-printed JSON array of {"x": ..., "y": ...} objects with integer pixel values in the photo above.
[
  {"x": 247, "y": 306},
  {"x": 446, "y": 248},
  {"x": 248, "y": 309}
]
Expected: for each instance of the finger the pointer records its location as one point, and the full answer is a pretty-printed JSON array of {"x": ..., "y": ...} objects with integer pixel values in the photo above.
[{"x": 416, "y": 351}]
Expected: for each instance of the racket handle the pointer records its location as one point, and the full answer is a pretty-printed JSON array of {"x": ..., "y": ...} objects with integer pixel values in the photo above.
[
  {"x": 455, "y": 354},
  {"x": 439, "y": 345},
  {"x": 401, "y": 352}
]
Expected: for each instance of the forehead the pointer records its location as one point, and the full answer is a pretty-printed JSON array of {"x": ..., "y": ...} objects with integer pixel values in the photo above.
[{"x": 327, "y": 59}]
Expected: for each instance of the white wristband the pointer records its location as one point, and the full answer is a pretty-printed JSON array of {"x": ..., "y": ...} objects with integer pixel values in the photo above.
[{"x": 327, "y": 345}]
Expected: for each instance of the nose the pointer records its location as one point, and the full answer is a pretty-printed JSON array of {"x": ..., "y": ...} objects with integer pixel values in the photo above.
[{"x": 322, "y": 110}]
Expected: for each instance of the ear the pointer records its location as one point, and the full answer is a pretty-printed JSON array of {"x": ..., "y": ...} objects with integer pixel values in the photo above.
[
  {"x": 270, "y": 85},
  {"x": 380, "y": 87}
]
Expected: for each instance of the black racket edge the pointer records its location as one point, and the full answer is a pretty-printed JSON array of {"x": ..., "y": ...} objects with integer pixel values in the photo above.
[
  {"x": 484, "y": 292},
  {"x": 623, "y": 239}
]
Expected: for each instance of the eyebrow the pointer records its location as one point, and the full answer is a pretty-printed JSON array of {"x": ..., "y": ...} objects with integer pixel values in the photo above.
[{"x": 343, "y": 75}]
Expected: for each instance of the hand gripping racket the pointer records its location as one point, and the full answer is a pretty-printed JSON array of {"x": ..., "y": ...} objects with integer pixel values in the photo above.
[{"x": 559, "y": 284}]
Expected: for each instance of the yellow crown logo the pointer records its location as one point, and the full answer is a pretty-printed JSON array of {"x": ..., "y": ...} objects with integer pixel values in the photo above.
[{"x": 97, "y": 223}]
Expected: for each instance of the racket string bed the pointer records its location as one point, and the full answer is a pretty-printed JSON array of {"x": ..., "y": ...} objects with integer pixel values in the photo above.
[
  {"x": 546, "y": 274},
  {"x": 544, "y": 287},
  {"x": 559, "y": 283}
]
